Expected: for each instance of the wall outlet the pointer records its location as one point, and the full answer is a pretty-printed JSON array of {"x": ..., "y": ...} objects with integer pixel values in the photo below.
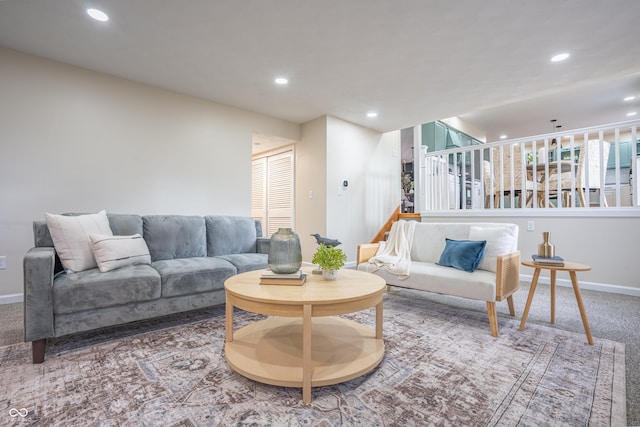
[
  {"x": 530, "y": 225},
  {"x": 3, "y": 262}
]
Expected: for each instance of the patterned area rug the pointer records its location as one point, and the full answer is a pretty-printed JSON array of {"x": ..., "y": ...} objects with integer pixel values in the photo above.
[{"x": 441, "y": 367}]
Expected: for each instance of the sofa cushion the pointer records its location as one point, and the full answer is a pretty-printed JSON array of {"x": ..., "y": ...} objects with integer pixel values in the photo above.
[
  {"x": 120, "y": 224},
  {"x": 70, "y": 236},
  {"x": 186, "y": 276},
  {"x": 247, "y": 262},
  {"x": 91, "y": 289},
  {"x": 462, "y": 254},
  {"x": 125, "y": 224},
  {"x": 174, "y": 236},
  {"x": 230, "y": 235},
  {"x": 500, "y": 241},
  {"x": 429, "y": 239},
  {"x": 425, "y": 276},
  {"x": 113, "y": 252}
]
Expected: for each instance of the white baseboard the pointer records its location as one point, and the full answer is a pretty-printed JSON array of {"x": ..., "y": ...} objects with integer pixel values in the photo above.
[
  {"x": 10, "y": 299},
  {"x": 592, "y": 286}
]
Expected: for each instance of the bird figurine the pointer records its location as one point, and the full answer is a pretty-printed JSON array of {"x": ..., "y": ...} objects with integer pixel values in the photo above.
[{"x": 325, "y": 241}]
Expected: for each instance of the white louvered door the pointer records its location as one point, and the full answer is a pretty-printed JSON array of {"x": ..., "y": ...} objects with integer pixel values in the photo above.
[
  {"x": 259, "y": 191},
  {"x": 272, "y": 191}
]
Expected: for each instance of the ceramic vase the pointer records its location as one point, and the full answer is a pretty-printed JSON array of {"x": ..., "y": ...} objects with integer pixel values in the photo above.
[
  {"x": 285, "y": 254},
  {"x": 546, "y": 249}
]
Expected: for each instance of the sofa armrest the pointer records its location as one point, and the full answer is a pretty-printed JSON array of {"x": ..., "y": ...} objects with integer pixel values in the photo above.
[
  {"x": 38, "y": 264},
  {"x": 507, "y": 275},
  {"x": 262, "y": 245},
  {"x": 366, "y": 251}
]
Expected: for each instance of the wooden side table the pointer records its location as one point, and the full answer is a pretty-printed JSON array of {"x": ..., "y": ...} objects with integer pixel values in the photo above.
[{"x": 572, "y": 268}]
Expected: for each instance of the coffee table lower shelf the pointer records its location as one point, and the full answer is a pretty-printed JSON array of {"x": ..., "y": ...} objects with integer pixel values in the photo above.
[{"x": 270, "y": 351}]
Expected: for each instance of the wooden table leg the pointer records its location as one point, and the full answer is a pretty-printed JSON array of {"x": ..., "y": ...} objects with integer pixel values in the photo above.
[
  {"x": 583, "y": 313},
  {"x": 379, "y": 321},
  {"x": 512, "y": 307},
  {"x": 228, "y": 320},
  {"x": 553, "y": 296},
  {"x": 532, "y": 290},
  {"x": 306, "y": 354}
]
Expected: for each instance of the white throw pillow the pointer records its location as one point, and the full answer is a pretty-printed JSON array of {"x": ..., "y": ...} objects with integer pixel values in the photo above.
[
  {"x": 113, "y": 252},
  {"x": 499, "y": 242},
  {"x": 70, "y": 235}
]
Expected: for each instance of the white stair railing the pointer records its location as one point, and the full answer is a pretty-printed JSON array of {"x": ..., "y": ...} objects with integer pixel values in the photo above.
[{"x": 596, "y": 165}]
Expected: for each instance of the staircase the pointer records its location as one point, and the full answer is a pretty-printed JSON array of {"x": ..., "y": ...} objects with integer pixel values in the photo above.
[{"x": 395, "y": 216}]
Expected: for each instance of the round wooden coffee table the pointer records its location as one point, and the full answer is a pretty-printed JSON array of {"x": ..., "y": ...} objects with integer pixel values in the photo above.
[{"x": 303, "y": 346}]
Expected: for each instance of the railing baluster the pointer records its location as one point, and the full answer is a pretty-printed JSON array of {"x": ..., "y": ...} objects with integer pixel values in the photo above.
[
  {"x": 586, "y": 184},
  {"x": 512, "y": 199},
  {"x": 547, "y": 203},
  {"x": 444, "y": 182},
  {"x": 617, "y": 174},
  {"x": 634, "y": 172},
  {"x": 501, "y": 172},
  {"x": 492, "y": 180}
]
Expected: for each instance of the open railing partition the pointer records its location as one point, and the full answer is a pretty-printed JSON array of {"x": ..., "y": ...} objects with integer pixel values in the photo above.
[{"x": 584, "y": 168}]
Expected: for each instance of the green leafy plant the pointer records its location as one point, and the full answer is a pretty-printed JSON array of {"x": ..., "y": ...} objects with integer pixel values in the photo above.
[{"x": 329, "y": 258}]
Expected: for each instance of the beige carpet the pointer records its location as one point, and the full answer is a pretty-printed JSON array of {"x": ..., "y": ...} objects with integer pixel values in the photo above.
[{"x": 441, "y": 367}]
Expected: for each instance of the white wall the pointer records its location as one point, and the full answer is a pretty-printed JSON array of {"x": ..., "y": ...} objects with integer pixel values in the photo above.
[
  {"x": 370, "y": 162},
  {"x": 73, "y": 140},
  {"x": 608, "y": 244},
  {"x": 310, "y": 182},
  {"x": 329, "y": 152}
]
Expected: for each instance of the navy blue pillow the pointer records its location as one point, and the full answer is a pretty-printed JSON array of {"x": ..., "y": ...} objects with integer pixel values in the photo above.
[{"x": 462, "y": 254}]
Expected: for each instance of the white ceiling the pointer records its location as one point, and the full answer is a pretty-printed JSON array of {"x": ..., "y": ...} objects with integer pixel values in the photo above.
[{"x": 412, "y": 61}]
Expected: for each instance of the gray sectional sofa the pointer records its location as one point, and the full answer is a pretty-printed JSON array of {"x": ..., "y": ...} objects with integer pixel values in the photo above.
[{"x": 191, "y": 257}]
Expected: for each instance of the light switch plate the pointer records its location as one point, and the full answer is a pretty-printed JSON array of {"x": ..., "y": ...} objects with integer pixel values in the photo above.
[{"x": 3, "y": 262}]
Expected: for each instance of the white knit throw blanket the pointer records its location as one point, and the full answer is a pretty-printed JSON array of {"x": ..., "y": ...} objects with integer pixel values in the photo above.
[{"x": 395, "y": 256}]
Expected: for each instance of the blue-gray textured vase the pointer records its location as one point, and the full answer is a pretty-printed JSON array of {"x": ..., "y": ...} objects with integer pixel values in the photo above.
[{"x": 285, "y": 254}]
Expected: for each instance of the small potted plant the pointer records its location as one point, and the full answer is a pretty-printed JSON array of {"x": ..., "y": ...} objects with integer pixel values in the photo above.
[{"x": 330, "y": 259}]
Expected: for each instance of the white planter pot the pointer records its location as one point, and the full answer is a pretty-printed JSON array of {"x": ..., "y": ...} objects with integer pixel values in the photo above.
[{"x": 329, "y": 275}]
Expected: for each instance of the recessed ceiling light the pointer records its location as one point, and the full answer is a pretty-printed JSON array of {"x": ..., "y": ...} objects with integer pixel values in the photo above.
[
  {"x": 281, "y": 81},
  {"x": 503, "y": 136},
  {"x": 98, "y": 15},
  {"x": 633, "y": 113},
  {"x": 372, "y": 114},
  {"x": 559, "y": 57},
  {"x": 629, "y": 98}
]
